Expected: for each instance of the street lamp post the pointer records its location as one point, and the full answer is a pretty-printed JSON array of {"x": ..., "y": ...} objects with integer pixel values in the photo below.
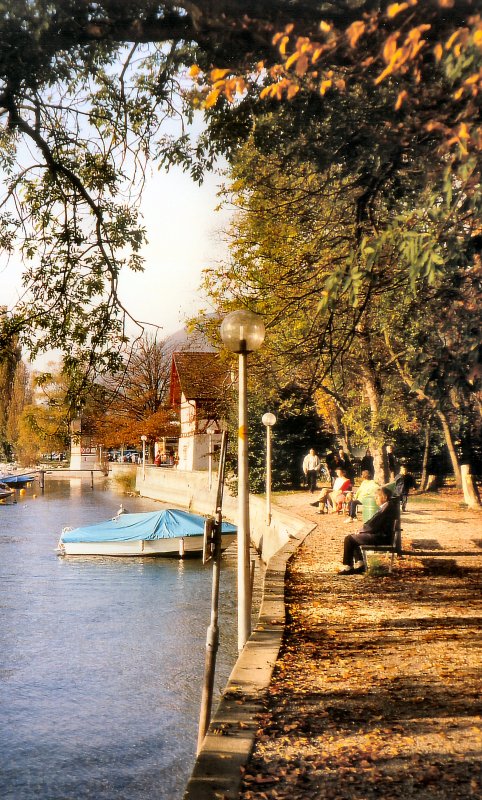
[
  {"x": 268, "y": 420},
  {"x": 143, "y": 440},
  {"x": 242, "y": 332}
]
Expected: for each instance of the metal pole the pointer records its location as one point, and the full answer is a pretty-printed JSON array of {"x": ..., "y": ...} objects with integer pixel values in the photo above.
[
  {"x": 268, "y": 474},
  {"x": 143, "y": 459},
  {"x": 244, "y": 593},
  {"x": 210, "y": 462},
  {"x": 212, "y": 639}
]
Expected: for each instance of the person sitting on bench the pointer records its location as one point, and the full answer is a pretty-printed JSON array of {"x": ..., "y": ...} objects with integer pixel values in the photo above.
[
  {"x": 366, "y": 489},
  {"x": 377, "y": 530},
  {"x": 335, "y": 496}
]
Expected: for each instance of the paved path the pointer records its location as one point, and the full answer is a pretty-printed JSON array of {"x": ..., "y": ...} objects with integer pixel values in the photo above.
[{"x": 376, "y": 692}]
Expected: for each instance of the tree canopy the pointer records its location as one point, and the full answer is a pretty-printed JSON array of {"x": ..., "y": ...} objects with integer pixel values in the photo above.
[{"x": 379, "y": 112}]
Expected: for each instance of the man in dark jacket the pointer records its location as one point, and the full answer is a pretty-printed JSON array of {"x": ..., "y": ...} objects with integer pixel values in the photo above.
[
  {"x": 404, "y": 481},
  {"x": 377, "y": 530}
]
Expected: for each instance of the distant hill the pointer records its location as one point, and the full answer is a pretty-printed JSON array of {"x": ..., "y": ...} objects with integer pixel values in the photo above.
[{"x": 185, "y": 340}]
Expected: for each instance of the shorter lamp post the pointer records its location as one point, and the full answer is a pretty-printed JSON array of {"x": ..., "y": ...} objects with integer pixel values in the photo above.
[
  {"x": 268, "y": 420},
  {"x": 242, "y": 332},
  {"x": 143, "y": 440}
]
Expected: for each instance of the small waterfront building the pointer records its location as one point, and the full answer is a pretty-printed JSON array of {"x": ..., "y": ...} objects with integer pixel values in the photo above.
[
  {"x": 83, "y": 450},
  {"x": 199, "y": 383}
]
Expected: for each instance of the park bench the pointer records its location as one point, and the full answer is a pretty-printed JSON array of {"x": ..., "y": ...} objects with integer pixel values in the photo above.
[{"x": 394, "y": 546}]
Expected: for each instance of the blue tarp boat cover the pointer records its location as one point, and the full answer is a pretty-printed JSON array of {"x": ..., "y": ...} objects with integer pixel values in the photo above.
[
  {"x": 165, "y": 524},
  {"x": 17, "y": 478}
]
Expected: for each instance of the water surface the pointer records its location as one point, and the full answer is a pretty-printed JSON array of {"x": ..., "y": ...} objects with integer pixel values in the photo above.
[{"x": 101, "y": 659}]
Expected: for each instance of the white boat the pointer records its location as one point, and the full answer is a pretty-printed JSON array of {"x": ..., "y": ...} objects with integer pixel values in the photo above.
[
  {"x": 170, "y": 532},
  {"x": 5, "y": 491}
]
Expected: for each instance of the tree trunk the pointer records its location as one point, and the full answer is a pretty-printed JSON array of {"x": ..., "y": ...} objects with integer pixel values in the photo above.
[
  {"x": 377, "y": 445},
  {"x": 426, "y": 453},
  {"x": 451, "y": 448},
  {"x": 471, "y": 494},
  {"x": 380, "y": 461}
]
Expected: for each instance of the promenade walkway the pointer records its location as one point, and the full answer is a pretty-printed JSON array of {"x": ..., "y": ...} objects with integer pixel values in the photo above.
[{"x": 377, "y": 689}]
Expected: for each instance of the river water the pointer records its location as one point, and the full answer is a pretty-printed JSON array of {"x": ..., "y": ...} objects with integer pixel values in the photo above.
[{"x": 101, "y": 659}]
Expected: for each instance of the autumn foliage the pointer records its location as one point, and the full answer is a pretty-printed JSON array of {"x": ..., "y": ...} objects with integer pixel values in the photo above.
[{"x": 425, "y": 57}]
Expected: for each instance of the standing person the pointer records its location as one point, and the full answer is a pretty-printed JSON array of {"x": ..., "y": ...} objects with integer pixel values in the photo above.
[
  {"x": 331, "y": 465},
  {"x": 367, "y": 488},
  {"x": 311, "y": 465},
  {"x": 404, "y": 481},
  {"x": 367, "y": 463},
  {"x": 377, "y": 530},
  {"x": 342, "y": 461},
  {"x": 392, "y": 462}
]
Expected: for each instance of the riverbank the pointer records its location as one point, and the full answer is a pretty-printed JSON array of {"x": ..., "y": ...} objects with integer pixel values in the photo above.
[{"x": 375, "y": 691}]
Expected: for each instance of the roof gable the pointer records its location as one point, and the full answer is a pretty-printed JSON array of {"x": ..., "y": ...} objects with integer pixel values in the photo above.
[{"x": 199, "y": 376}]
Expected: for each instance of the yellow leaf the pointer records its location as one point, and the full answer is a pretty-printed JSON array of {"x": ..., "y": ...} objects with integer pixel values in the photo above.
[
  {"x": 292, "y": 59},
  {"x": 415, "y": 33},
  {"x": 301, "y": 65},
  {"x": 478, "y": 37},
  {"x": 438, "y": 52},
  {"x": 230, "y": 90},
  {"x": 316, "y": 54},
  {"x": 354, "y": 31},
  {"x": 464, "y": 131},
  {"x": 401, "y": 99},
  {"x": 212, "y": 98},
  {"x": 284, "y": 42},
  {"x": 324, "y": 86},
  {"x": 473, "y": 78},
  {"x": 240, "y": 85},
  {"x": 459, "y": 93},
  {"x": 218, "y": 74},
  {"x": 194, "y": 71},
  {"x": 390, "y": 47},
  {"x": 292, "y": 90},
  {"x": 449, "y": 42},
  {"x": 446, "y": 3},
  {"x": 395, "y": 9},
  {"x": 325, "y": 27}
]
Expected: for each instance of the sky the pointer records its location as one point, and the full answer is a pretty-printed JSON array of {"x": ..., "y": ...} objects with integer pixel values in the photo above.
[{"x": 185, "y": 236}]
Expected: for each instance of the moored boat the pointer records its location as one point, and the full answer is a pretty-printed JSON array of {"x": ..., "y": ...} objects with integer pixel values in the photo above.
[
  {"x": 170, "y": 532},
  {"x": 17, "y": 480},
  {"x": 5, "y": 491}
]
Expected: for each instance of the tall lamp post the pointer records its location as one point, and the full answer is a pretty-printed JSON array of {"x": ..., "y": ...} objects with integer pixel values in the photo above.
[
  {"x": 143, "y": 440},
  {"x": 242, "y": 332},
  {"x": 268, "y": 420}
]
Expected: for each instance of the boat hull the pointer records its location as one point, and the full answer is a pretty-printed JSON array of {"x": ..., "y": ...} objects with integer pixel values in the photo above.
[{"x": 178, "y": 546}]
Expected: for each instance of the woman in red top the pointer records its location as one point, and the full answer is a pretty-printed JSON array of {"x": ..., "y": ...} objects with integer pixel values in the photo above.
[{"x": 332, "y": 497}]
